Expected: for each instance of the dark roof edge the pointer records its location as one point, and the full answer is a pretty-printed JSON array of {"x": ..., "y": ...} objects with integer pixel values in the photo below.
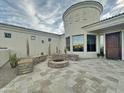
[
  {"x": 28, "y": 29},
  {"x": 104, "y": 20}
]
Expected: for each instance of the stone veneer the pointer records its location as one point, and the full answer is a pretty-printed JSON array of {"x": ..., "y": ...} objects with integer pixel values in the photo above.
[
  {"x": 25, "y": 66},
  {"x": 39, "y": 59},
  {"x": 72, "y": 57}
]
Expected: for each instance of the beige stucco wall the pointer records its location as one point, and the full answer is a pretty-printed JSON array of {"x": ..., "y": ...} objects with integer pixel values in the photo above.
[
  {"x": 79, "y": 16},
  {"x": 4, "y": 56},
  {"x": 74, "y": 22},
  {"x": 62, "y": 43},
  {"x": 17, "y": 42}
]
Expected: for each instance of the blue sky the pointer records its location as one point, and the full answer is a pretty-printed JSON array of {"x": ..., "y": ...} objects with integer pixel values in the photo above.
[{"x": 46, "y": 15}]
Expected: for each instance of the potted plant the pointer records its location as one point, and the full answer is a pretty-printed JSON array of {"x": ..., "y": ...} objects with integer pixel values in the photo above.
[
  {"x": 102, "y": 54},
  {"x": 98, "y": 55},
  {"x": 13, "y": 60}
]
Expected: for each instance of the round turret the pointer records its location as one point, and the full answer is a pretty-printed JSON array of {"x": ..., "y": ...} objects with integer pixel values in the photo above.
[{"x": 81, "y": 14}]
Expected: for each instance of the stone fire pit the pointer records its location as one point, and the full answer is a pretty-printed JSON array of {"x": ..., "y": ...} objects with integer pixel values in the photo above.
[{"x": 57, "y": 63}]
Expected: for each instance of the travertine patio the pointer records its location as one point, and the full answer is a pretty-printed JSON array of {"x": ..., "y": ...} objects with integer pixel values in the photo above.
[{"x": 83, "y": 76}]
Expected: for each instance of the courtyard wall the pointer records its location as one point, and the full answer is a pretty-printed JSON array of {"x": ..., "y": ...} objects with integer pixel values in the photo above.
[{"x": 37, "y": 41}]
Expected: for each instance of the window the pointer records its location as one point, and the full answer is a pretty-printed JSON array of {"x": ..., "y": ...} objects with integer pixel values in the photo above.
[
  {"x": 68, "y": 43},
  {"x": 7, "y": 35},
  {"x": 78, "y": 42},
  {"x": 91, "y": 43}
]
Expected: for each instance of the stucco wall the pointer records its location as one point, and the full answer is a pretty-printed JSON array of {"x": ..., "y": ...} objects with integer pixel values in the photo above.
[
  {"x": 4, "y": 56},
  {"x": 17, "y": 42},
  {"x": 62, "y": 43},
  {"x": 80, "y": 15}
]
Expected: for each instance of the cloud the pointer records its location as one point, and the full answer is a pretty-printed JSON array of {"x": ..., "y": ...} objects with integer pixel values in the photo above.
[
  {"x": 107, "y": 15},
  {"x": 46, "y": 15},
  {"x": 119, "y": 8},
  {"x": 120, "y": 1},
  {"x": 113, "y": 8}
]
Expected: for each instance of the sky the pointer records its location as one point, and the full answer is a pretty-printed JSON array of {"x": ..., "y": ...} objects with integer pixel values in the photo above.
[
  {"x": 77, "y": 39},
  {"x": 46, "y": 15}
]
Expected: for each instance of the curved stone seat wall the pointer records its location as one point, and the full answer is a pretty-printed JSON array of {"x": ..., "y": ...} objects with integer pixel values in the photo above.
[{"x": 72, "y": 57}]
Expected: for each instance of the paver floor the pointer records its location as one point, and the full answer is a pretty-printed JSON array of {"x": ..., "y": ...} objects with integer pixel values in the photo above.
[
  {"x": 83, "y": 76},
  {"x": 6, "y": 74}
]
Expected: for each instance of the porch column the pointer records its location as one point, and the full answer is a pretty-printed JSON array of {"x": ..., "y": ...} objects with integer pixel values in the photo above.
[
  {"x": 104, "y": 44},
  {"x": 98, "y": 44},
  {"x": 71, "y": 46},
  {"x": 122, "y": 45}
]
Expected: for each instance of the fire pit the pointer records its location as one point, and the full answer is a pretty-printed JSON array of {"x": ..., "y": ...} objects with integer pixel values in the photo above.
[
  {"x": 58, "y": 60},
  {"x": 57, "y": 63}
]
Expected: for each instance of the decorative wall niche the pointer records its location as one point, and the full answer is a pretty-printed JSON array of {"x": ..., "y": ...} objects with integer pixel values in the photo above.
[
  {"x": 33, "y": 37},
  {"x": 7, "y": 35},
  {"x": 49, "y": 39},
  {"x": 42, "y": 41}
]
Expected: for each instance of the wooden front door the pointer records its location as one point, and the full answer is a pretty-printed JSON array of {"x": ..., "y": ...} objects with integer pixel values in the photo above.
[{"x": 113, "y": 45}]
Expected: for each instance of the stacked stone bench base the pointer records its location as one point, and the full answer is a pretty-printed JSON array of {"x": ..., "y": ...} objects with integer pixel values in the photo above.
[
  {"x": 39, "y": 59},
  {"x": 24, "y": 66}
]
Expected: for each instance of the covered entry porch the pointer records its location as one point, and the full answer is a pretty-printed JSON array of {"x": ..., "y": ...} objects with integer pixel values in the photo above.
[
  {"x": 110, "y": 36},
  {"x": 111, "y": 42}
]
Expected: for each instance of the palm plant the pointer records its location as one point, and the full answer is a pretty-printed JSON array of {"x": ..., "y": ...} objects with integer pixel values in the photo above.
[{"x": 65, "y": 50}]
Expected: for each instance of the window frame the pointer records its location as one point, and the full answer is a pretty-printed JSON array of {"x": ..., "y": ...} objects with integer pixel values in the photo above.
[{"x": 95, "y": 43}]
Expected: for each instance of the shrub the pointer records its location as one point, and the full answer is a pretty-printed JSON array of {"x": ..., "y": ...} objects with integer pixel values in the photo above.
[{"x": 13, "y": 60}]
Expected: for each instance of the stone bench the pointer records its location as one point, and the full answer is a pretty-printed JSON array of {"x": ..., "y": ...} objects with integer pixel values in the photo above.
[
  {"x": 39, "y": 59},
  {"x": 72, "y": 57},
  {"x": 24, "y": 66}
]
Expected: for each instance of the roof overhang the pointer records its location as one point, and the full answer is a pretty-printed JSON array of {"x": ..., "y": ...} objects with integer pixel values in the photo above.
[{"x": 117, "y": 21}]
